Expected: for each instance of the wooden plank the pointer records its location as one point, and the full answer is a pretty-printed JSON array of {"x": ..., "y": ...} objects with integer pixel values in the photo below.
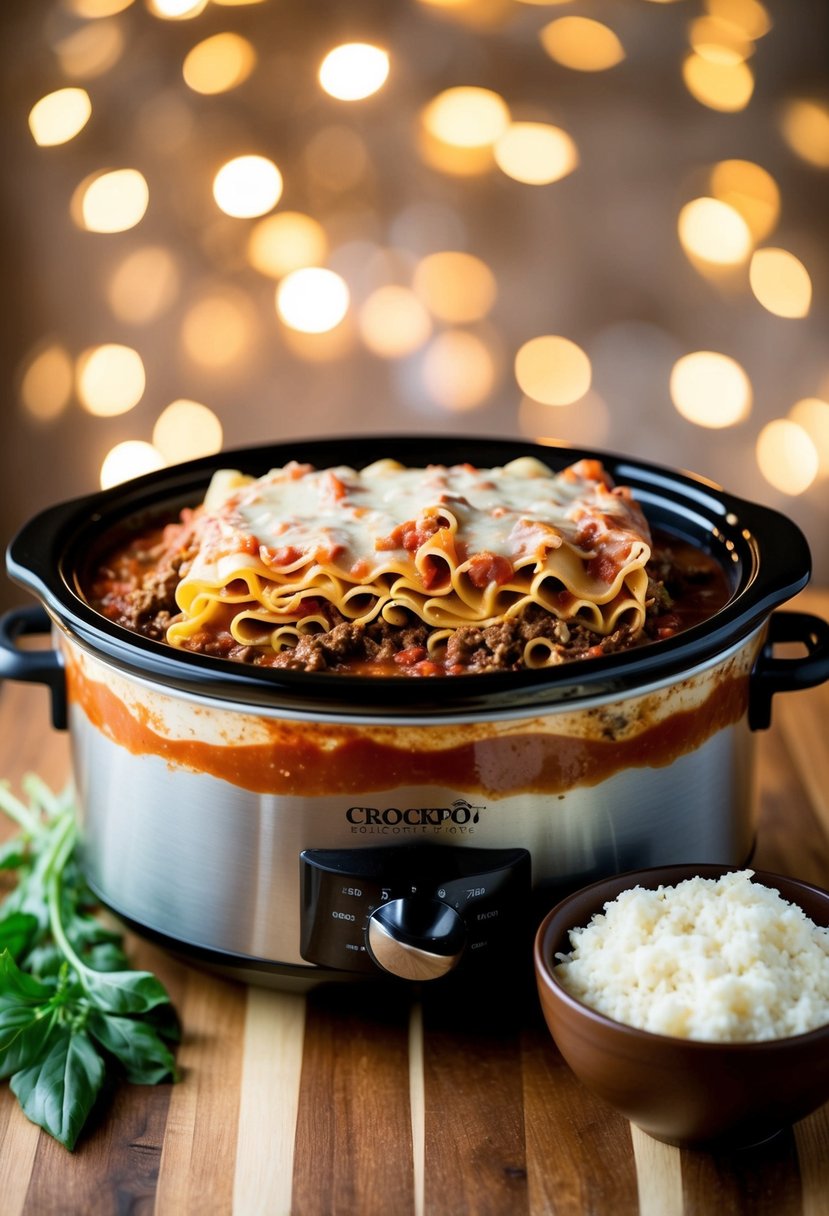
[
  {"x": 27, "y": 741},
  {"x": 804, "y": 722},
  {"x": 475, "y": 1152},
  {"x": 790, "y": 839},
  {"x": 269, "y": 1101},
  {"x": 417, "y": 1106},
  {"x": 658, "y": 1175},
  {"x": 812, "y": 1141},
  {"x": 761, "y": 1181},
  {"x": 354, "y": 1136},
  {"x": 579, "y": 1153},
  {"x": 121, "y": 1146},
  {"x": 198, "y": 1156},
  {"x": 18, "y": 1148}
]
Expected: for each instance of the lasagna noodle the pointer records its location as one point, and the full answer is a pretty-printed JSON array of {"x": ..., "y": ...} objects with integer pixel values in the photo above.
[{"x": 445, "y": 546}]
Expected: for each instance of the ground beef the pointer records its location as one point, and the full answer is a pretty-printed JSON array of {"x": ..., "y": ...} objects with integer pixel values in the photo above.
[
  {"x": 349, "y": 642},
  {"x": 470, "y": 649},
  {"x": 136, "y": 588}
]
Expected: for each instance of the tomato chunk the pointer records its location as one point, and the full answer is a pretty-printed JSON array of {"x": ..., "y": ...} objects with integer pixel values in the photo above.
[
  {"x": 486, "y": 568},
  {"x": 411, "y": 656},
  {"x": 410, "y": 535}
]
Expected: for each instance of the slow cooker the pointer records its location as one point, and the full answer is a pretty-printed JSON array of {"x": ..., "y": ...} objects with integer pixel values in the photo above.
[{"x": 295, "y": 827}]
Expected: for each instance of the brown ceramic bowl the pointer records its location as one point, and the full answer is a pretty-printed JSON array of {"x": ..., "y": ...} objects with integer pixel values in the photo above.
[{"x": 682, "y": 1091}]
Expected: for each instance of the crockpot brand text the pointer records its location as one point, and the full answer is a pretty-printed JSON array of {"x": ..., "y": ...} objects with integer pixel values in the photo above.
[{"x": 459, "y": 818}]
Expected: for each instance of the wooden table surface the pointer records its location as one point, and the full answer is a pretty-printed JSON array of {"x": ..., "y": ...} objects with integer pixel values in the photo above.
[{"x": 347, "y": 1105}]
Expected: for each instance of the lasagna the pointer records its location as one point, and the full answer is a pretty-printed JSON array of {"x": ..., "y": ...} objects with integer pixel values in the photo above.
[{"x": 389, "y": 569}]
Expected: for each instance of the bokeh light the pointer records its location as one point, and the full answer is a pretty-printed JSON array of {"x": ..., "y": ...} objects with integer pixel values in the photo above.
[
  {"x": 186, "y": 430},
  {"x": 714, "y": 231},
  {"x": 419, "y": 257},
  {"x": 90, "y": 51},
  {"x": 247, "y": 186},
  {"x": 582, "y": 44},
  {"x": 354, "y": 71},
  {"x": 786, "y": 456},
  {"x": 535, "y": 153},
  {"x": 458, "y": 370},
  {"x": 393, "y": 322},
  {"x": 110, "y": 379},
  {"x": 144, "y": 285},
  {"x": 312, "y": 300},
  {"x": 710, "y": 389},
  {"x": 113, "y": 201},
  {"x": 749, "y": 189},
  {"x": 93, "y": 9},
  {"x": 812, "y": 414},
  {"x": 47, "y": 382},
  {"x": 805, "y": 127},
  {"x": 727, "y": 87},
  {"x": 749, "y": 17},
  {"x": 780, "y": 282},
  {"x": 177, "y": 10},
  {"x": 456, "y": 287},
  {"x": 59, "y": 116},
  {"x": 553, "y": 370},
  {"x": 286, "y": 241},
  {"x": 466, "y": 117},
  {"x": 129, "y": 459},
  {"x": 719, "y": 41},
  {"x": 219, "y": 63}
]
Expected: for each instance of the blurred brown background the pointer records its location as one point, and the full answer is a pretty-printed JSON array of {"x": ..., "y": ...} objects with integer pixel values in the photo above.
[{"x": 532, "y": 215}]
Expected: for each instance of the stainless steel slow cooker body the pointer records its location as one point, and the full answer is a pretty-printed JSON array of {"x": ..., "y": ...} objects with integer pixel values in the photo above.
[{"x": 301, "y": 827}]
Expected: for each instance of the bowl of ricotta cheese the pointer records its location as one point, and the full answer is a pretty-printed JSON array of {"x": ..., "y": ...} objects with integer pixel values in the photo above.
[{"x": 694, "y": 999}]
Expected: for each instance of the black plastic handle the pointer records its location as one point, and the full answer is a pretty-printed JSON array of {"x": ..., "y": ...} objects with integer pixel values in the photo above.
[
  {"x": 34, "y": 666},
  {"x": 771, "y": 675}
]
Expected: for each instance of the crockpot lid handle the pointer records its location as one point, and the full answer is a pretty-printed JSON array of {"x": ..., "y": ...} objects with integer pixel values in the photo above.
[
  {"x": 776, "y": 674},
  {"x": 33, "y": 666}
]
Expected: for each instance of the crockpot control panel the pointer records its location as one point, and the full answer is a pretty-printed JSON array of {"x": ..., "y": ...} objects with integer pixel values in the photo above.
[{"x": 416, "y": 912}]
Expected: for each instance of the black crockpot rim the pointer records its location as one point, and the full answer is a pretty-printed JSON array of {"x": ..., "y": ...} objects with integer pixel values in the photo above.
[{"x": 767, "y": 550}]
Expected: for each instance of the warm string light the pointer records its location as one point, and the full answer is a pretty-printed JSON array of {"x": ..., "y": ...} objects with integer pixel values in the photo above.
[
  {"x": 430, "y": 316},
  {"x": 59, "y": 116},
  {"x": 582, "y": 44},
  {"x": 710, "y": 389}
]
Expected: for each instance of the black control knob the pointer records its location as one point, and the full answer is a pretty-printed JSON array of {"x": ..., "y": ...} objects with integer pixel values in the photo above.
[{"x": 416, "y": 939}]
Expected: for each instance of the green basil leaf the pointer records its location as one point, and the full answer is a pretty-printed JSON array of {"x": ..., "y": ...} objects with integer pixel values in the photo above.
[
  {"x": 43, "y": 961},
  {"x": 106, "y": 956},
  {"x": 19, "y": 988},
  {"x": 16, "y": 932},
  {"x": 124, "y": 991},
  {"x": 30, "y": 896},
  {"x": 13, "y": 854},
  {"x": 145, "y": 1056},
  {"x": 165, "y": 1021},
  {"x": 23, "y": 1034},
  {"x": 85, "y": 931},
  {"x": 58, "y": 1092}
]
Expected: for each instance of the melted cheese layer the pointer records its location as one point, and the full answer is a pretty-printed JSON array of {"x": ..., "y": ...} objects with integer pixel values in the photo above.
[{"x": 448, "y": 545}]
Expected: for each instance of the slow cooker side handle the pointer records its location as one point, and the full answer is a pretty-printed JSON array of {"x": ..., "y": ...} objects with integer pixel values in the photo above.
[
  {"x": 772, "y": 675},
  {"x": 34, "y": 666}
]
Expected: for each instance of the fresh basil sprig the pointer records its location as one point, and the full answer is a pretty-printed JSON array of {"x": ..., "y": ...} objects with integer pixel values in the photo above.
[{"x": 72, "y": 1012}]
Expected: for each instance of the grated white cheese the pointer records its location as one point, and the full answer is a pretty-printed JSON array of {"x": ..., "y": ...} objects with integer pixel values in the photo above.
[{"x": 724, "y": 960}]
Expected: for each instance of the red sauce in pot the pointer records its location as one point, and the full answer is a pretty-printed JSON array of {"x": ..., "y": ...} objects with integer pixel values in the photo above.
[{"x": 310, "y": 759}]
